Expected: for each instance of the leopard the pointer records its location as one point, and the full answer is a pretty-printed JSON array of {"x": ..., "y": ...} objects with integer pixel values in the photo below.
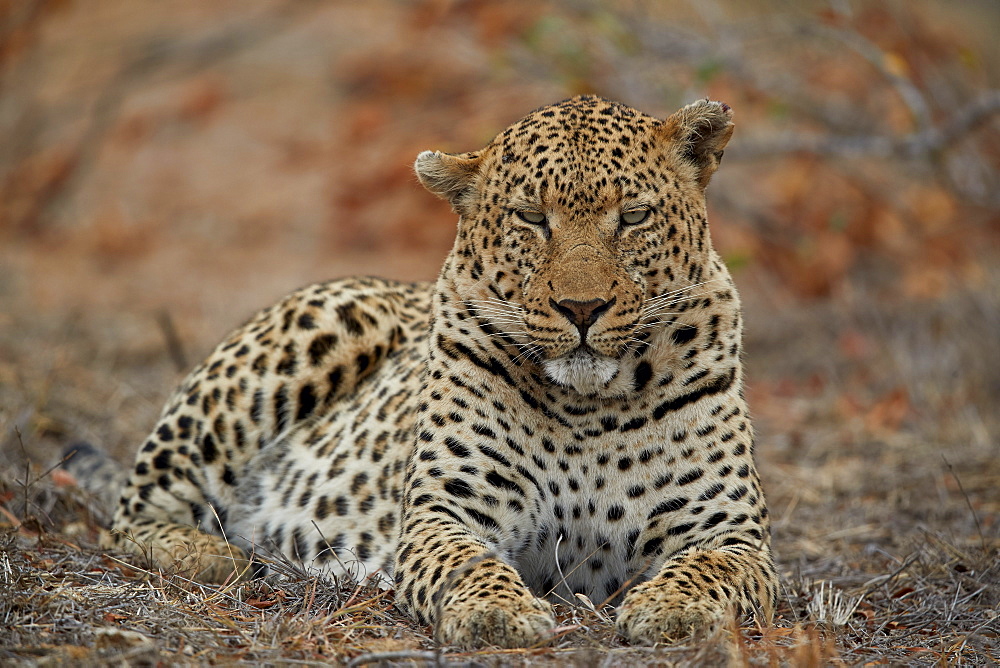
[{"x": 559, "y": 417}]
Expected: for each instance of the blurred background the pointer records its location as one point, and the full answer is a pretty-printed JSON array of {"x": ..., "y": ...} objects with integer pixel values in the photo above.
[{"x": 167, "y": 168}]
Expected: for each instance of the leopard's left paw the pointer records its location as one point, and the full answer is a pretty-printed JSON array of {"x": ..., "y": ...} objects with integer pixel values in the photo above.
[{"x": 658, "y": 611}]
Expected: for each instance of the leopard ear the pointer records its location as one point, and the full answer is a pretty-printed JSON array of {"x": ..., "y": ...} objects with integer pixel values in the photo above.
[
  {"x": 700, "y": 132},
  {"x": 447, "y": 175}
]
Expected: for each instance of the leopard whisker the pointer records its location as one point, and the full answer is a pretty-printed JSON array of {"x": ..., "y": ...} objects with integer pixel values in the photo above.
[
  {"x": 680, "y": 293},
  {"x": 494, "y": 304},
  {"x": 496, "y": 309},
  {"x": 670, "y": 300},
  {"x": 686, "y": 288},
  {"x": 490, "y": 338},
  {"x": 530, "y": 351},
  {"x": 513, "y": 308},
  {"x": 657, "y": 317}
]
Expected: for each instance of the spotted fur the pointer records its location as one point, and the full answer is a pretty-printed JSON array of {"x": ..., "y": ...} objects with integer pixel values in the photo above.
[{"x": 561, "y": 413}]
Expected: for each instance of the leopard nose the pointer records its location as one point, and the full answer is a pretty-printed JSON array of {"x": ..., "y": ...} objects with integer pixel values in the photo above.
[{"x": 582, "y": 314}]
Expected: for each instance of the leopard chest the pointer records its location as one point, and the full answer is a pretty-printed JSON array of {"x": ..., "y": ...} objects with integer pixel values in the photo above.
[{"x": 607, "y": 508}]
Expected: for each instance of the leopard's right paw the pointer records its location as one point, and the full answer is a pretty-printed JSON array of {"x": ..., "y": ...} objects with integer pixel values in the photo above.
[
  {"x": 658, "y": 611},
  {"x": 502, "y": 621}
]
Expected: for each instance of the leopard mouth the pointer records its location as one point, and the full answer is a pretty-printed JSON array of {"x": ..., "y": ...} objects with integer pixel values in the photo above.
[{"x": 583, "y": 369}]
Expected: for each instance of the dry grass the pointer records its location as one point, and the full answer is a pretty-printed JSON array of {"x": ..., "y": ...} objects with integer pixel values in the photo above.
[{"x": 61, "y": 601}]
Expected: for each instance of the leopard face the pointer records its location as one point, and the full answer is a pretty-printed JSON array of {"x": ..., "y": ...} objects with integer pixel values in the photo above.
[{"x": 578, "y": 224}]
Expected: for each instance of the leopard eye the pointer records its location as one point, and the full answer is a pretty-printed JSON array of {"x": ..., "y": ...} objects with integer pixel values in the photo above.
[
  {"x": 635, "y": 216},
  {"x": 532, "y": 217}
]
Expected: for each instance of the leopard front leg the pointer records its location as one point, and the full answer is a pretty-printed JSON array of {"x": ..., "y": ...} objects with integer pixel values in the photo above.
[
  {"x": 510, "y": 618},
  {"x": 453, "y": 565},
  {"x": 449, "y": 577},
  {"x": 695, "y": 591}
]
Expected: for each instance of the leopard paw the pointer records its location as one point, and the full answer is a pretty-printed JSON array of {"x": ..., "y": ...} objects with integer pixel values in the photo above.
[
  {"x": 189, "y": 553},
  {"x": 656, "y": 611},
  {"x": 501, "y": 622},
  {"x": 216, "y": 562}
]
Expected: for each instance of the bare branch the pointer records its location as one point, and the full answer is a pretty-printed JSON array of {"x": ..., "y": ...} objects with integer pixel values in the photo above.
[
  {"x": 920, "y": 144},
  {"x": 907, "y": 90}
]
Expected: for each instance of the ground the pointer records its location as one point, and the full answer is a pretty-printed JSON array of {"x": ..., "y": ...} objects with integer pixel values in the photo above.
[{"x": 169, "y": 172}]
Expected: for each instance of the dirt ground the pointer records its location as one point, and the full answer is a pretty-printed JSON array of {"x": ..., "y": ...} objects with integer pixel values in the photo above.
[{"x": 165, "y": 171}]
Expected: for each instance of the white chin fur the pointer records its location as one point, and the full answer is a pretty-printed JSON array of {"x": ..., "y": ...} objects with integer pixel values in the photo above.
[{"x": 582, "y": 370}]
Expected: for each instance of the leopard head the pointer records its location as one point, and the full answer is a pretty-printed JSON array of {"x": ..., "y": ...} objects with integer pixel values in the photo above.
[{"x": 573, "y": 223}]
